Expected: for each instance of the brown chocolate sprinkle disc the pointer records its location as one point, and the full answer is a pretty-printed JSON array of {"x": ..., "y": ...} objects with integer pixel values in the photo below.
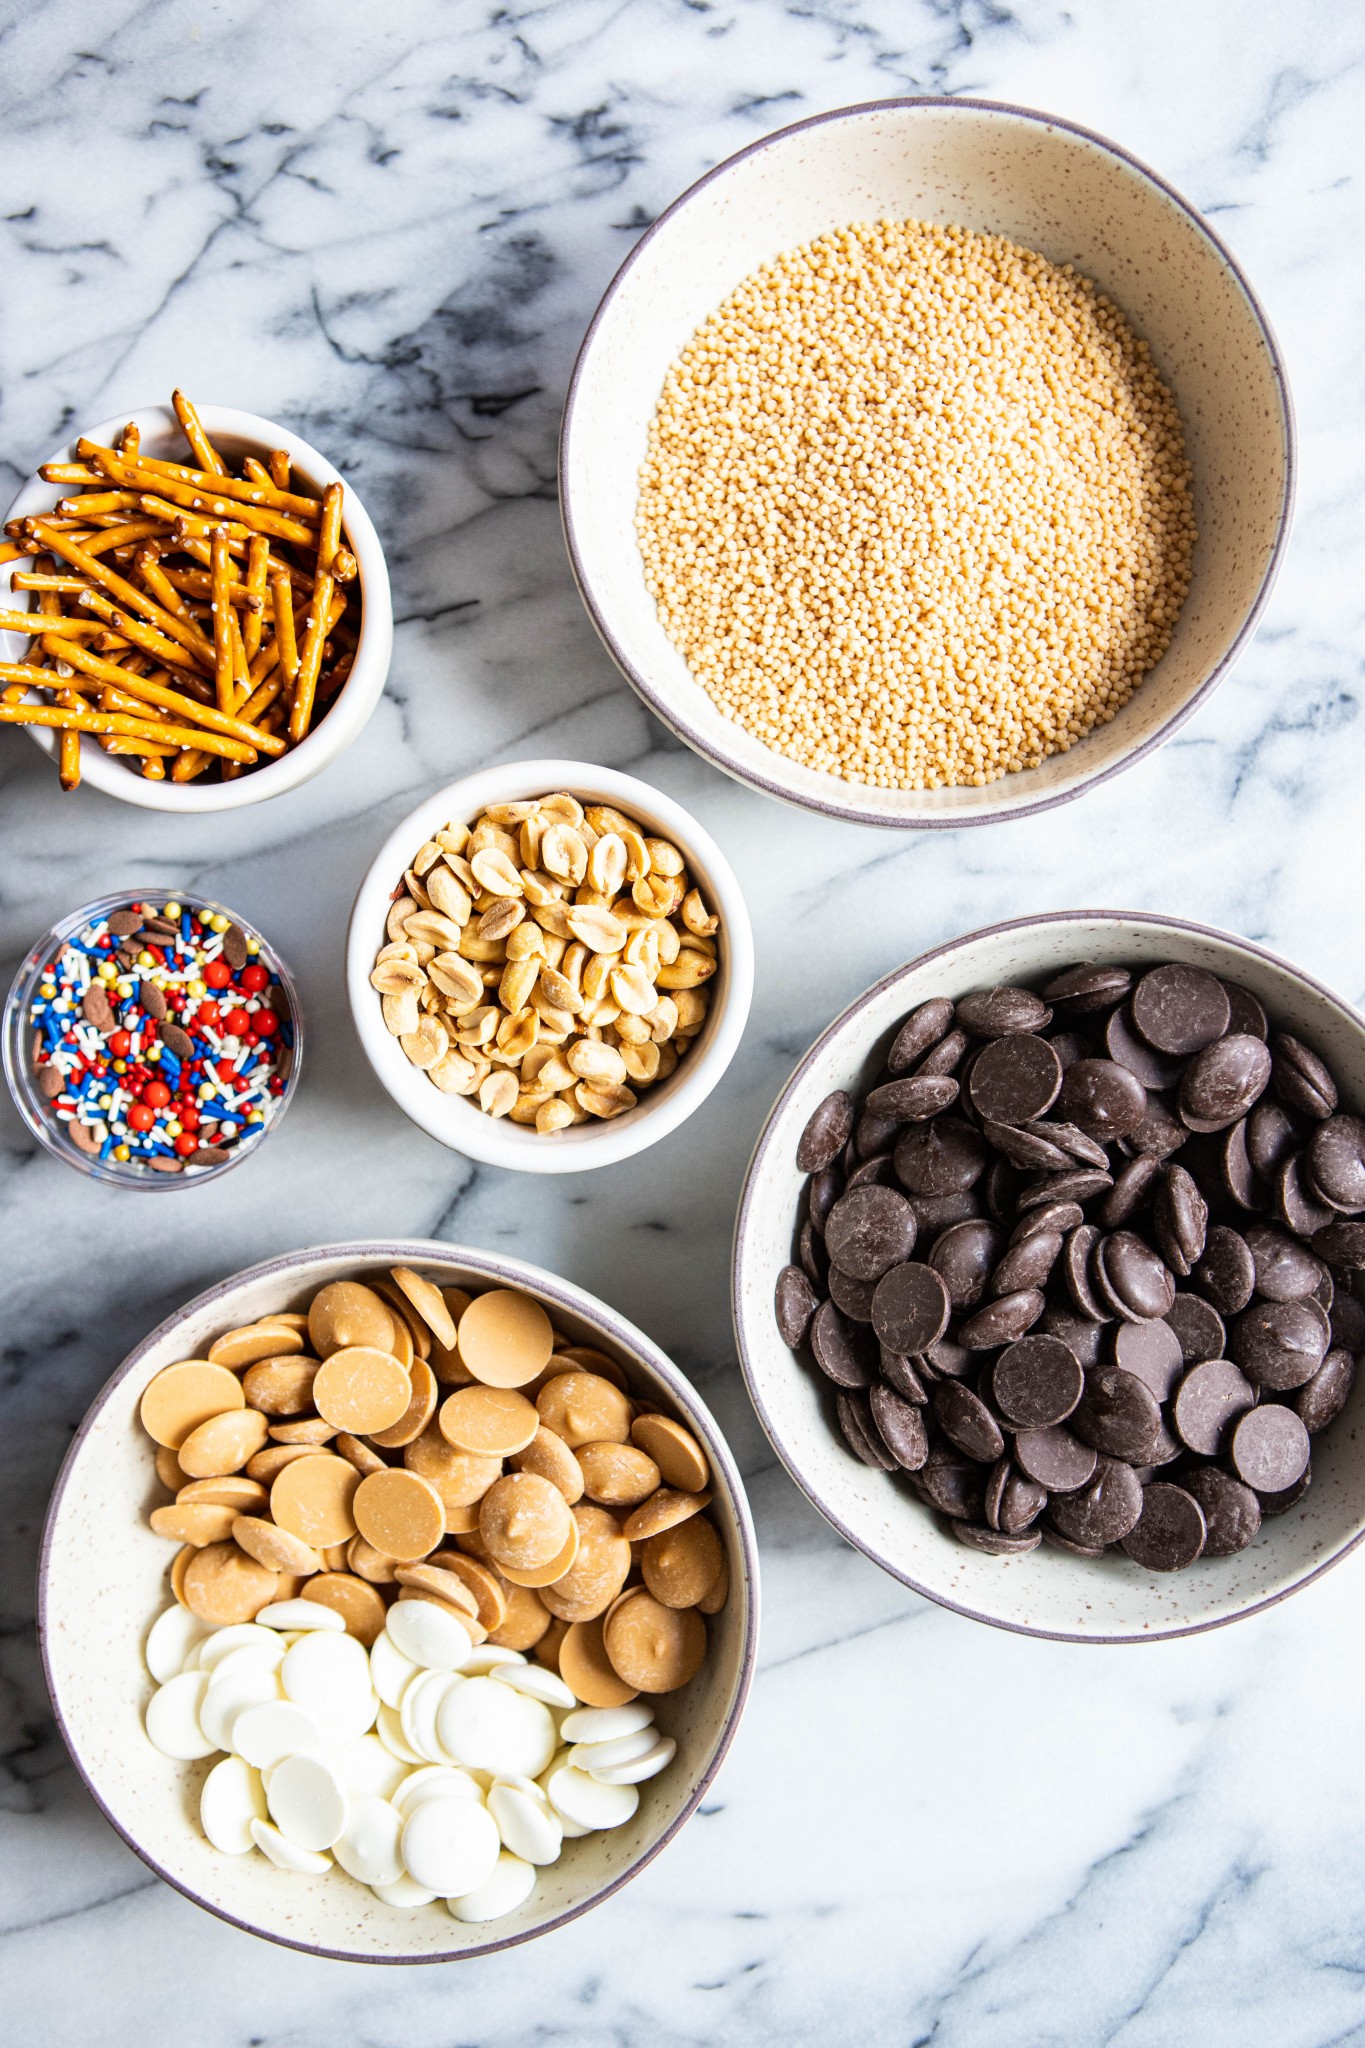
[
  {"x": 860, "y": 1432},
  {"x": 1271, "y": 1138},
  {"x": 795, "y": 1302},
  {"x": 870, "y": 1229},
  {"x": 900, "y": 1373},
  {"x": 827, "y": 1132},
  {"x": 910, "y": 1308},
  {"x": 1336, "y": 1160},
  {"x": 1270, "y": 1448},
  {"x": 1285, "y": 1269},
  {"x": 845, "y": 1352},
  {"x": 900, "y": 1426},
  {"x": 1138, "y": 1282},
  {"x": 1015, "y": 1078},
  {"x": 1055, "y": 1458},
  {"x": 1121, "y": 1042},
  {"x": 964, "y": 1257},
  {"x": 1232, "y": 1513},
  {"x": 1298, "y": 1206},
  {"x": 994, "y": 1011},
  {"x": 942, "y": 1158},
  {"x": 1226, "y": 1274},
  {"x": 1289, "y": 1496},
  {"x": 1322, "y": 1399},
  {"x": 1246, "y": 1015},
  {"x": 1104, "y": 1099},
  {"x": 1198, "y": 1326},
  {"x": 1021, "y": 1502},
  {"x": 1079, "y": 1334},
  {"x": 1239, "y": 1177},
  {"x": 1076, "y": 1256},
  {"x": 1180, "y": 1009},
  {"x": 1278, "y": 1344},
  {"x": 946, "y": 1056},
  {"x": 1002, "y": 1321},
  {"x": 1134, "y": 1186},
  {"x": 852, "y": 1297},
  {"x": 1180, "y": 1218},
  {"x": 1081, "y": 989},
  {"x": 993, "y": 1541},
  {"x": 1103, "y": 1511},
  {"x": 1169, "y": 1533},
  {"x": 1222, "y": 1083},
  {"x": 1210, "y": 1398},
  {"x": 1300, "y": 1078},
  {"x": 951, "y": 1483},
  {"x": 911, "y": 1100},
  {"x": 1118, "y": 1415},
  {"x": 967, "y": 1422},
  {"x": 1151, "y": 1351},
  {"x": 1027, "y": 1264},
  {"x": 1036, "y": 1382},
  {"x": 1063, "y": 1187},
  {"x": 923, "y": 1028}
]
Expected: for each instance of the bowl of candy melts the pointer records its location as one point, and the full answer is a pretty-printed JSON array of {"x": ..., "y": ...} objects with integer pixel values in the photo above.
[
  {"x": 310, "y": 1673},
  {"x": 152, "y": 1040}
]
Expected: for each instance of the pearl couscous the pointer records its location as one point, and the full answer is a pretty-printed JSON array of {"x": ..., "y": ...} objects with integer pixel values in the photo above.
[{"x": 916, "y": 507}]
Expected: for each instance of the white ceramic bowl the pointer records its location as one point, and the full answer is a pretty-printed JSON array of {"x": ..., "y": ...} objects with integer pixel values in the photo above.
[
  {"x": 102, "y": 1579},
  {"x": 1043, "y": 182},
  {"x": 1045, "y": 1592},
  {"x": 235, "y": 433},
  {"x": 462, "y": 1124}
]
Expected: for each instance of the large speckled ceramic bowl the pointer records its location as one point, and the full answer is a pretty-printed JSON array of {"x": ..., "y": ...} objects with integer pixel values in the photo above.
[
  {"x": 1045, "y": 183},
  {"x": 103, "y": 1578},
  {"x": 1045, "y": 1592}
]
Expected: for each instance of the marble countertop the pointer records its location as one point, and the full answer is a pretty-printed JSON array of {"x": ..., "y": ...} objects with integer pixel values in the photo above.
[{"x": 388, "y": 227}]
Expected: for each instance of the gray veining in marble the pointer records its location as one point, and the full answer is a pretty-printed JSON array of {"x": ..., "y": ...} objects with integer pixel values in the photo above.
[{"x": 388, "y": 226}]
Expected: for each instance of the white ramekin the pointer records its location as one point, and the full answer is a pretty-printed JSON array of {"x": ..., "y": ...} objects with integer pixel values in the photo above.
[
  {"x": 235, "y": 433},
  {"x": 462, "y": 1124}
]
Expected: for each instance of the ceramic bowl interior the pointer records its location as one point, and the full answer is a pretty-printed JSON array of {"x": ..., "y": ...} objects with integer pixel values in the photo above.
[
  {"x": 16, "y": 1036},
  {"x": 460, "y": 1123},
  {"x": 103, "y": 1578},
  {"x": 1045, "y": 1592},
  {"x": 1042, "y": 182},
  {"x": 234, "y": 433}
]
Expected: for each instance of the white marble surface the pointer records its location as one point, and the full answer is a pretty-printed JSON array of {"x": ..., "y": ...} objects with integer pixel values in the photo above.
[{"x": 388, "y": 226}]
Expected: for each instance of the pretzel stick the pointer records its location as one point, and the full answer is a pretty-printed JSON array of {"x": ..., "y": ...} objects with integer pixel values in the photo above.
[
  {"x": 222, "y": 624},
  {"x": 329, "y": 528},
  {"x": 68, "y": 746},
  {"x": 112, "y": 721},
  {"x": 29, "y": 580},
  {"x": 191, "y": 761},
  {"x": 128, "y": 594},
  {"x": 101, "y": 542},
  {"x": 35, "y": 622},
  {"x": 280, "y": 468},
  {"x": 130, "y": 440},
  {"x": 310, "y": 657},
  {"x": 205, "y": 454},
  {"x": 70, "y": 473},
  {"x": 169, "y": 652},
  {"x": 159, "y": 583},
  {"x": 344, "y": 566},
  {"x": 97, "y": 501},
  {"x": 257, "y": 576},
  {"x": 164, "y": 497},
  {"x": 145, "y": 473},
  {"x": 282, "y": 597},
  {"x": 241, "y": 668},
  {"x": 185, "y": 708},
  {"x": 116, "y": 744}
]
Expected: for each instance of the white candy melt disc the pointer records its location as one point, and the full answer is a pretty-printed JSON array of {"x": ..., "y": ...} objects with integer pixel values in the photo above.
[
  {"x": 366, "y": 1768},
  {"x": 654, "y": 1760},
  {"x": 508, "y": 1885},
  {"x": 486, "y": 1657},
  {"x": 403, "y": 1893},
  {"x": 618, "y": 1749},
  {"x": 604, "y": 1724},
  {"x": 389, "y": 1729},
  {"x": 170, "y": 1639},
  {"x": 329, "y": 1677},
  {"x": 418, "y": 1713},
  {"x": 301, "y": 1614},
  {"x": 267, "y": 1734},
  {"x": 283, "y": 1853},
  {"x": 232, "y": 1797},
  {"x": 248, "y": 1657},
  {"x": 537, "y": 1683},
  {"x": 307, "y": 1803},
  {"x": 488, "y": 1727},
  {"x": 428, "y": 1636},
  {"x": 173, "y": 1717},
  {"x": 583, "y": 1800},
  {"x": 229, "y": 1694},
  {"x": 390, "y": 1670},
  {"x": 450, "y": 1845},
  {"x": 239, "y": 1635},
  {"x": 526, "y": 1823},
  {"x": 367, "y": 1847},
  {"x": 434, "y": 1781}
]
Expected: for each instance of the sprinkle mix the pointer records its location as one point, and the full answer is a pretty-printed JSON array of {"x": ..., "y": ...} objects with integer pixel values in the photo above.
[{"x": 161, "y": 1038}]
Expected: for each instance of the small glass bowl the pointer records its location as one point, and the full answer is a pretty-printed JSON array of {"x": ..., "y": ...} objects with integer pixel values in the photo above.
[{"x": 21, "y": 1072}]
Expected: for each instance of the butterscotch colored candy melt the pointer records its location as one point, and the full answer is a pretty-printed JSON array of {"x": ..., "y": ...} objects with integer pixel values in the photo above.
[
  {"x": 494, "y": 1422},
  {"x": 585, "y": 1667},
  {"x": 547, "y": 1649},
  {"x": 400, "y": 1513},
  {"x": 583, "y": 1408},
  {"x": 360, "y": 1607},
  {"x": 358, "y": 1453},
  {"x": 441, "y": 1584},
  {"x": 586, "y": 1359},
  {"x": 180, "y": 1564},
  {"x": 525, "y": 1521},
  {"x": 223, "y": 1585},
  {"x": 312, "y": 1497},
  {"x": 712, "y": 1602},
  {"x": 428, "y": 1302},
  {"x": 371, "y": 1564},
  {"x": 525, "y": 1622},
  {"x": 360, "y": 1389},
  {"x": 274, "y": 1547},
  {"x": 268, "y": 1464},
  {"x": 311, "y": 1430},
  {"x": 618, "y": 1475},
  {"x": 238, "y": 1348},
  {"x": 460, "y": 1477},
  {"x": 223, "y": 1443},
  {"x": 679, "y": 1457},
  {"x": 682, "y": 1564},
  {"x": 346, "y": 1313},
  {"x": 418, "y": 1413},
  {"x": 549, "y": 1455},
  {"x": 481, "y": 1583},
  {"x": 404, "y": 1313},
  {"x": 168, "y": 1469},
  {"x": 233, "y": 1490},
  {"x": 281, "y": 1386},
  {"x": 651, "y": 1647},
  {"x": 663, "y": 1510},
  {"x": 180, "y": 1397},
  {"x": 196, "y": 1523},
  {"x": 543, "y": 1574},
  {"x": 505, "y": 1338},
  {"x": 598, "y": 1572}
]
